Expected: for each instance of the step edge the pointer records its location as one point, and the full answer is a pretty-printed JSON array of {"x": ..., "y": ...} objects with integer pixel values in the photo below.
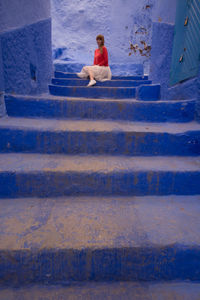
[
  {"x": 86, "y": 80},
  {"x": 190, "y": 162},
  {"x": 49, "y": 97},
  {"x": 90, "y": 88},
  {"x": 25, "y": 127}
]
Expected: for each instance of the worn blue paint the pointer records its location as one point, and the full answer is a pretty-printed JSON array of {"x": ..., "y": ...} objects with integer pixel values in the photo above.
[
  {"x": 63, "y": 108},
  {"x": 160, "y": 68},
  {"x": 2, "y": 105},
  {"x": 1, "y": 71},
  {"x": 28, "y": 175},
  {"x": 184, "y": 90},
  {"x": 107, "y": 290},
  {"x": 148, "y": 92},
  {"x": 174, "y": 262},
  {"x": 2, "y": 102},
  {"x": 93, "y": 92},
  {"x": 110, "y": 83},
  {"x": 146, "y": 250},
  {"x": 26, "y": 50},
  {"x": 118, "y": 142}
]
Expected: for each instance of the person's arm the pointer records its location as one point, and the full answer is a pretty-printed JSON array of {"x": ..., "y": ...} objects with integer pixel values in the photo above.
[
  {"x": 95, "y": 62},
  {"x": 104, "y": 62}
]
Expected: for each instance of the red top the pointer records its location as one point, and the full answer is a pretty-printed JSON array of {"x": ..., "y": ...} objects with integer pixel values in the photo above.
[{"x": 101, "y": 59}]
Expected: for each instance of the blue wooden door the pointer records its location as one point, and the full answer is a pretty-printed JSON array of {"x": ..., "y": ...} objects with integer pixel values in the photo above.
[{"x": 186, "y": 48}]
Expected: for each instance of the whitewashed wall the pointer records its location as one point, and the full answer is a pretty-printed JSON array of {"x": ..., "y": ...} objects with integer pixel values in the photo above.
[{"x": 76, "y": 24}]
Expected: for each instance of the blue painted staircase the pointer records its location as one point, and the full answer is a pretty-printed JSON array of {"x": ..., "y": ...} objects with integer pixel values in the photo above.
[
  {"x": 124, "y": 87},
  {"x": 99, "y": 184}
]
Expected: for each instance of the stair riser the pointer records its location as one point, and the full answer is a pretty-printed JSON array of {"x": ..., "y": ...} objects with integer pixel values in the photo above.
[
  {"x": 73, "y": 75},
  {"x": 61, "y": 266},
  {"x": 148, "y": 92},
  {"x": 134, "y": 111},
  {"x": 125, "y": 143},
  {"x": 126, "y": 183},
  {"x": 93, "y": 92},
  {"x": 119, "y": 83}
]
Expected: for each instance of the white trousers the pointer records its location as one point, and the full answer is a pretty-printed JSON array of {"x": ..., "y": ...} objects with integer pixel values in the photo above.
[{"x": 100, "y": 73}]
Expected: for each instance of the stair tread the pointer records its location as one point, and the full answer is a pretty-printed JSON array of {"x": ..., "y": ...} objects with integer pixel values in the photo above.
[
  {"x": 85, "y": 125},
  {"x": 115, "y": 80},
  {"x": 18, "y": 162},
  {"x": 93, "y": 87},
  {"x": 108, "y": 83},
  {"x": 124, "y": 100},
  {"x": 179, "y": 290},
  {"x": 99, "y": 222}
]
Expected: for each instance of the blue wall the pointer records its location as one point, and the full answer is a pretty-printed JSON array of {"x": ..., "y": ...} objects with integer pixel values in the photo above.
[
  {"x": 76, "y": 24},
  {"x": 1, "y": 70},
  {"x": 2, "y": 104},
  {"x": 27, "y": 58},
  {"x": 25, "y": 39},
  {"x": 161, "y": 55},
  {"x": 198, "y": 97},
  {"x": 164, "y": 11}
]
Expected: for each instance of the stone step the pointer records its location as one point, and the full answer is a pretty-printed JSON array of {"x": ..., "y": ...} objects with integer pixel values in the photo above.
[
  {"x": 42, "y": 175},
  {"x": 61, "y": 240},
  {"x": 110, "y": 83},
  {"x": 99, "y": 137},
  {"x": 93, "y": 92},
  {"x": 118, "y": 290},
  {"x": 148, "y": 92},
  {"x": 48, "y": 106},
  {"x": 59, "y": 74}
]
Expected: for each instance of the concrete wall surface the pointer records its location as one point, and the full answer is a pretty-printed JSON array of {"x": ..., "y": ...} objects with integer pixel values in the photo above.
[
  {"x": 25, "y": 39},
  {"x": 164, "y": 11},
  {"x": 76, "y": 24},
  {"x": 19, "y": 13}
]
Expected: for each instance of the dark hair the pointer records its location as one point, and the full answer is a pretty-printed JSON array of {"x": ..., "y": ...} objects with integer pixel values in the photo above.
[{"x": 101, "y": 38}]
